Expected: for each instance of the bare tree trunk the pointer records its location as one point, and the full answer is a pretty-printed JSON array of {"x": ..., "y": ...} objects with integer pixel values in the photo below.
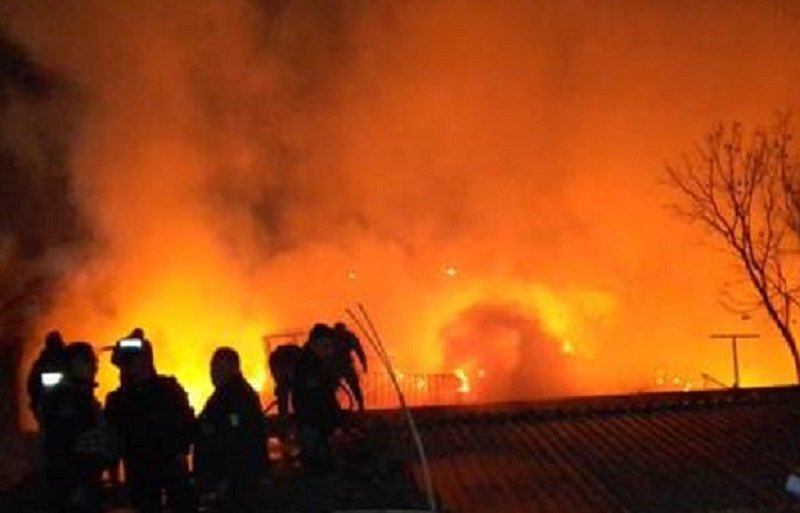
[
  {"x": 747, "y": 193},
  {"x": 796, "y": 358},
  {"x": 788, "y": 337},
  {"x": 786, "y": 333}
]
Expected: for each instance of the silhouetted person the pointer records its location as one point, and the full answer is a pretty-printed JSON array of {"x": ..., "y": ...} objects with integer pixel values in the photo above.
[
  {"x": 345, "y": 343},
  {"x": 154, "y": 423},
  {"x": 317, "y": 413},
  {"x": 50, "y": 360},
  {"x": 313, "y": 388},
  {"x": 230, "y": 448},
  {"x": 77, "y": 444},
  {"x": 282, "y": 362}
]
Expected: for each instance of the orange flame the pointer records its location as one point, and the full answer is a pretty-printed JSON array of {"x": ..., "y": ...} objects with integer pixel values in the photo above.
[
  {"x": 464, "y": 387},
  {"x": 224, "y": 200}
]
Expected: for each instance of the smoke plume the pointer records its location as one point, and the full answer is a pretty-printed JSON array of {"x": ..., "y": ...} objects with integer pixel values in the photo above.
[{"x": 463, "y": 168}]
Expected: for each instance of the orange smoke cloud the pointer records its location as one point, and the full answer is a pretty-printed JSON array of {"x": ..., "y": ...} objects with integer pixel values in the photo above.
[{"x": 472, "y": 171}]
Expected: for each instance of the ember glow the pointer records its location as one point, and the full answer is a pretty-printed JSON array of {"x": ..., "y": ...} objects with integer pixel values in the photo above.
[
  {"x": 465, "y": 386},
  {"x": 484, "y": 176}
]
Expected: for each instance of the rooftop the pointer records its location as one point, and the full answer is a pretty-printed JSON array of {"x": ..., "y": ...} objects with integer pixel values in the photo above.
[
  {"x": 688, "y": 451},
  {"x": 720, "y": 451}
]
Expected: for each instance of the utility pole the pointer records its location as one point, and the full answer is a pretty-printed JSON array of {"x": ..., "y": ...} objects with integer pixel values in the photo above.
[{"x": 734, "y": 337}]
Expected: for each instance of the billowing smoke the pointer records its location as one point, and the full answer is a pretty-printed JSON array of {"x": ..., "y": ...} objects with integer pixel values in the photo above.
[
  {"x": 522, "y": 359},
  {"x": 244, "y": 167}
]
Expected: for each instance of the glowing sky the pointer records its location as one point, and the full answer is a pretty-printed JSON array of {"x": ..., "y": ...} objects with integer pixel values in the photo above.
[{"x": 484, "y": 176}]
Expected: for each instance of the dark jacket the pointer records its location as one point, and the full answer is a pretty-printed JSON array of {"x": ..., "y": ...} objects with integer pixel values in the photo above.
[
  {"x": 345, "y": 343},
  {"x": 282, "y": 363},
  {"x": 153, "y": 421},
  {"x": 76, "y": 445},
  {"x": 231, "y": 436},
  {"x": 313, "y": 392}
]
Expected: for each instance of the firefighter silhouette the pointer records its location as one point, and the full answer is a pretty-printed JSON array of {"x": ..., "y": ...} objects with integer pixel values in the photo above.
[
  {"x": 230, "y": 448},
  {"x": 154, "y": 422},
  {"x": 345, "y": 344},
  {"x": 305, "y": 383},
  {"x": 282, "y": 362},
  {"x": 335, "y": 348},
  {"x": 76, "y": 440}
]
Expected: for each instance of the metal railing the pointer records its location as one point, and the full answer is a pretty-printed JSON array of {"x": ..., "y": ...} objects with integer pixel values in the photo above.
[{"x": 419, "y": 389}]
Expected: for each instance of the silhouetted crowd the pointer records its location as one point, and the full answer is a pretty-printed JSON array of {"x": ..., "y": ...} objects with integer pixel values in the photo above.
[{"x": 136, "y": 449}]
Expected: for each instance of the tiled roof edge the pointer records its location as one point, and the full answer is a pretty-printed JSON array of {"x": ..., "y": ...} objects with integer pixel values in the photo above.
[{"x": 598, "y": 406}]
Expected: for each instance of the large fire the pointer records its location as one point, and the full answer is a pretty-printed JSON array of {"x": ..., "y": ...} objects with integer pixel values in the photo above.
[{"x": 484, "y": 176}]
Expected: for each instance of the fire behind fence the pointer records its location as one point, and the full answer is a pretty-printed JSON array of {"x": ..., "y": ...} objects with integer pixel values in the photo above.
[{"x": 419, "y": 389}]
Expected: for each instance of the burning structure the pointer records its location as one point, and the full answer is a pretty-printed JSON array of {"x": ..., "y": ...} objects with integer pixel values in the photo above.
[{"x": 483, "y": 175}]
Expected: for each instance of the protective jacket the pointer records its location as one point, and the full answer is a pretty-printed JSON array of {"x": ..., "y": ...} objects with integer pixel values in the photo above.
[
  {"x": 153, "y": 420},
  {"x": 313, "y": 394},
  {"x": 231, "y": 436},
  {"x": 77, "y": 447}
]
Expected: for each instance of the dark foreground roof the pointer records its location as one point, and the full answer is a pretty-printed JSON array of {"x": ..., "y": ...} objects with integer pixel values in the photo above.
[
  {"x": 682, "y": 452},
  {"x": 725, "y": 451}
]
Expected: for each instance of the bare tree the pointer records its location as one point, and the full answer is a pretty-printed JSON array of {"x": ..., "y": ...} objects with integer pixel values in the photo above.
[{"x": 746, "y": 191}]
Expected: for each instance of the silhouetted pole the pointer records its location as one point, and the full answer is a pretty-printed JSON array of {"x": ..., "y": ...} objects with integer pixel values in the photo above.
[
  {"x": 734, "y": 337},
  {"x": 374, "y": 338}
]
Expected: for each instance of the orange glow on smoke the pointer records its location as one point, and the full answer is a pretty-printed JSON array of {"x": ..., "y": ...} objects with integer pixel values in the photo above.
[
  {"x": 483, "y": 176},
  {"x": 185, "y": 324}
]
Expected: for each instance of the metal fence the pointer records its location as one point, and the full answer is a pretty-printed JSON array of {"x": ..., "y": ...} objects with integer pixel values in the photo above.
[{"x": 419, "y": 389}]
